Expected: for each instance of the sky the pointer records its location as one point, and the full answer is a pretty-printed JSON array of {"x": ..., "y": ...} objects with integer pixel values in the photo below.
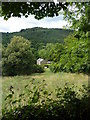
[{"x": 15, "y": 24}]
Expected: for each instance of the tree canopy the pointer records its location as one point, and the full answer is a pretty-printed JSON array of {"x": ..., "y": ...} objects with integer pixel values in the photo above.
[
  {"x": 17, "y": 57},
  {"x": 74, "y": 56},
  {"x": 76, "y": 13},
  {"x": 51, "y": 52},
  {"x": 39, "y": 9}
]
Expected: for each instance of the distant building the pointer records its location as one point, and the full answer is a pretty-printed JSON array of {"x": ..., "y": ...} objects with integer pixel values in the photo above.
[
  {"x": 41, "y": 61},
  {"x": 48, "y": 62}
]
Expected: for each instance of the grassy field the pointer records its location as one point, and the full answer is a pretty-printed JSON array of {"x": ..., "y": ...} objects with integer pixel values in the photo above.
[{"x": 52, "y": 80}]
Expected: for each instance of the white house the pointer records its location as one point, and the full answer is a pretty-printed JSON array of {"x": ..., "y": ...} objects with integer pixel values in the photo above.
[{"x": 41, "y": 61}]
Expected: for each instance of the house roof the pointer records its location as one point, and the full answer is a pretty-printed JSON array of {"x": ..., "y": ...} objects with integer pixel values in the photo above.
[{"x": 40, "y": 59}]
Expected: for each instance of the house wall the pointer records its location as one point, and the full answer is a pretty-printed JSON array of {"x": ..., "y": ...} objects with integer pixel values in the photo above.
[{"x": 41, "y": 62}]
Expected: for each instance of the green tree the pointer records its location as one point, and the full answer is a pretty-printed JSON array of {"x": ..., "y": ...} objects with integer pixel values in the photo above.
[
  {"x": 52, "y": 51},
  {"x": 39, "y": 9},
  {"x": 57, "y": 52},
  {"x": 46, "y": 52},
  {"x": 78, "y": 14},
  {"x": 74, "y": 57},
  {"x": 73, "y": 11},
  {"x": 18, "y": 57},
  {"x": 42, "y": 53}
]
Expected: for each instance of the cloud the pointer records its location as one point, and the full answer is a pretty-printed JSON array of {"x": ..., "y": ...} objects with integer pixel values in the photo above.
[{"x": 16, "y": 24}]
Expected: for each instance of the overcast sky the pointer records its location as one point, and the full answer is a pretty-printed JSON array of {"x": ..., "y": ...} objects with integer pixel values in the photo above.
[{"x": 16, "y": 24}]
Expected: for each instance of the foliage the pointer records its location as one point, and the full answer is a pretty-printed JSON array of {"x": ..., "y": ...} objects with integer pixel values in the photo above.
[
  {"x": 74, "y": 57},
  {"x": 38, "y": 69},
  {"x": 38, "y": 9},
  {"x": 0, "y": 58},
  {"x": 51, "y": 79},
  {"x": 17, "y": 57},
  {"x": 42, "y": 53},
  {"x": 50, "y": 9},
  {"x": 46, "y": 53},
  {"x": 68, "y": 104},
  {"x": 51, "y": 51},
  {"x": 54, "y": 67},
  {"x": 38, "y": 37},
  {"x": 78, "y": 14}
]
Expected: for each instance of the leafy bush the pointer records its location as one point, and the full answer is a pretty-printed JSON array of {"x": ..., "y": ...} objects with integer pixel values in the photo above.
[
  {"x": 54, "y": 67},
  {"x": 51, "y": 51},
  {"x": 37, "y": 103},
  {"x": 38, "y": 69},
  {"x": 18, "y": 58},
  {"x": 74, "y": 57}
]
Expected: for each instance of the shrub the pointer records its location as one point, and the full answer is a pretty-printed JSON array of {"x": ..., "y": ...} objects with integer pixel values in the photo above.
[
  {"x": 38, "y": 69},
  {"x": 37, "y": 104},
  {"x": 17, "y": 57},
  {"x": 74, "y": 57},
  {"x": 55, "y": 67}
]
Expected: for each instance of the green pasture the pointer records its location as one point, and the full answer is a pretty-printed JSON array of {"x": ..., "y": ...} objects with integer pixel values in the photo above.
[{"x": 52, "y": 80}]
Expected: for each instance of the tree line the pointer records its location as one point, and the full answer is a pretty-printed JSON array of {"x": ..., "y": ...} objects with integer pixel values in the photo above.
[{"x": 71, "y": 56}]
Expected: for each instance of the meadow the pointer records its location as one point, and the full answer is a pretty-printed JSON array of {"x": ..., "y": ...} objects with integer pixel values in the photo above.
[
  {"x": 58, "y": 93},
  {"x": 51, "y": 79}
]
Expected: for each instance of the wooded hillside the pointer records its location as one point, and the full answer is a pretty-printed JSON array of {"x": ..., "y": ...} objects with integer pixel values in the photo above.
[{"x": 38, "y": 35}]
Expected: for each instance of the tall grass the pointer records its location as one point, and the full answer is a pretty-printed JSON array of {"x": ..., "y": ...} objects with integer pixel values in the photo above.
[{"x": 51, "y": 79}]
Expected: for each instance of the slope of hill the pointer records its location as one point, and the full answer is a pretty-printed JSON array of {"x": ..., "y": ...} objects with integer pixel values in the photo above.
[{"x": 38, "y": 35}]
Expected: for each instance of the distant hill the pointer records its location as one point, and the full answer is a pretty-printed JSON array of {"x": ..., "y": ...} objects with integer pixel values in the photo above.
[{"x": 38, "y": 35}]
